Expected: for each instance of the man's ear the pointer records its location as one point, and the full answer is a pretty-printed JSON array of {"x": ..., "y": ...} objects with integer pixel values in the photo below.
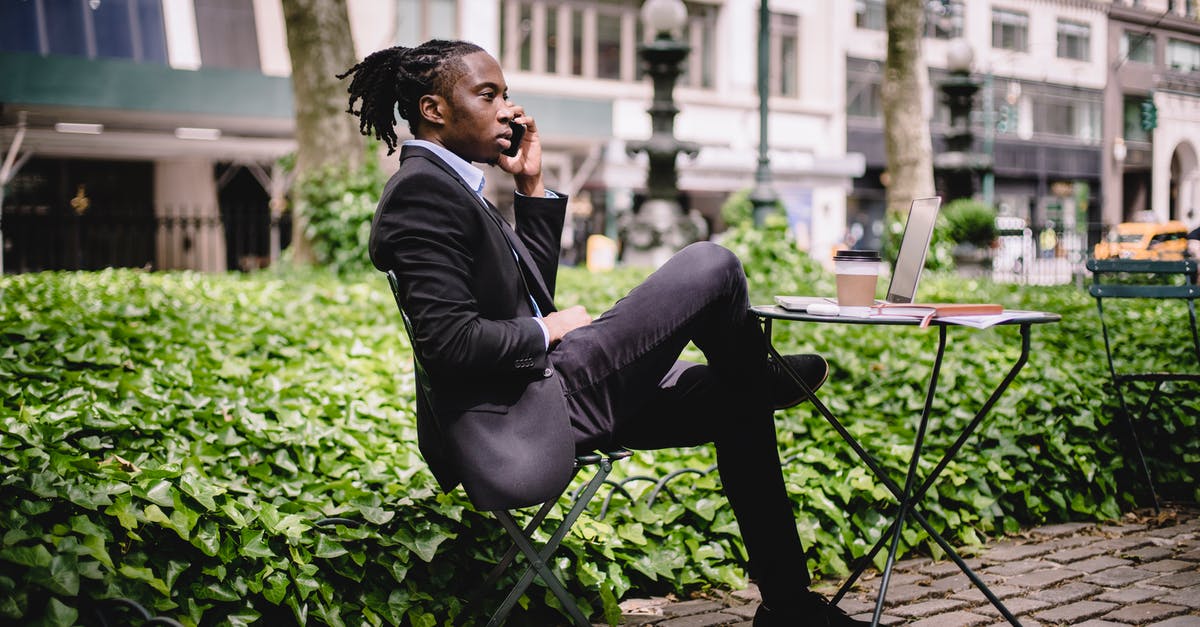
[{"x": 433, "y": 108}]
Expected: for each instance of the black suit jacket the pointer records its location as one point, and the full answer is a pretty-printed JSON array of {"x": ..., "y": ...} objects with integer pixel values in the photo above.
[{"x": 490, "y": 409}]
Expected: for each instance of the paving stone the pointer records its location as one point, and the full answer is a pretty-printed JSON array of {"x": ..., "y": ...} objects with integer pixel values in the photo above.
[
  {"x": 1148, "y": 553},
  {"x": 1063, "y": 529},
  {"x": 1066, "y": 593},
  {"x": 1009, "y": 552},
  {"x": 1019, "y": 606},
  {"x": 1019, "y": 567},
  {"x": 689, "y": 608},
  {"x": 635, "y": 620},
  {"x": 1189, "y": 597},
  {"x": 1095, "y": 622},
  {"x": 1025, "y": 622},
  {"x": 742, "y": 611},
  {"x": 1132, "y": 594},
  {"x": 899, "y": 579},
  {"x": 1120, "y": 529},
  {"x": 1145, "y": 612},
  {"x": 1099, "y": 563},
  {"x": 927, "y": 608},
  {"x": 1169, "y": 531},
  {"x": 749, "y": 594},
  {"x": 1119, "y": 576},
  {"x": 905, "y": 594},
  {"x": 952, "y": 619},
  {"x": 913, "y": 563},
  {"x": 1076, "y": 612},
  {"x": 1179, "y": 621},
  {"x": 884, "y": 619},
  {"x": 1167, "y": 566},
  {"x": 1123, "y": 544},
  {"x": 1191, "y": 556},
  {"x": 1179, "y": 580},
  {"x": 975, "y": 595},
  {"x": 948, "y": 567},
  {"x": 1042, "y": 578},
  {"x": 1076, "y": 554},
  {"x": 951, "y": 584},
  {"x": 700, "y": 620}
]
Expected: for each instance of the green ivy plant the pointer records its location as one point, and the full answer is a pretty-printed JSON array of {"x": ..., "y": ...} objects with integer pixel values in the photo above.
[
  {"x": 242, "y": 449},
  {"x": 339, "y": 203}
]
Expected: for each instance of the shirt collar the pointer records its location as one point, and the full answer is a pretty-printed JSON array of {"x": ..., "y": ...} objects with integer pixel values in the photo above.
[{"x": 469, "y": 173}]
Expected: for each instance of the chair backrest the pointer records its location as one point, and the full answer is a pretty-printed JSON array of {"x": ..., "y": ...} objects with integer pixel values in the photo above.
[
  {"x": 1153, "y": 284},
  {"x": 422, "y": 376}
]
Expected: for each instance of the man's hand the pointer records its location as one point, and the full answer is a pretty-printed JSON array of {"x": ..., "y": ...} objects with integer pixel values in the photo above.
[
  {"x": 560, "y": 323},
  {"x": 526, "y": 167}
]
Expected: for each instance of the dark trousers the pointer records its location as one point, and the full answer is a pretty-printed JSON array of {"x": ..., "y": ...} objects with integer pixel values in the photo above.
[{"x": 625, "y": 386}]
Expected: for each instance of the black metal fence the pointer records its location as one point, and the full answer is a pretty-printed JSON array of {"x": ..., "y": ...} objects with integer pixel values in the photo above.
[{"x": 40, "y": 237}]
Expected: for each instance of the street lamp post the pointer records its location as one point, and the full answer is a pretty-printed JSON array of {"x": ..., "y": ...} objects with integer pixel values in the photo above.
[
  {"x": 763, "y": 196},
  {"x": 659, "y": 228},
  {"x": 959, "y": 163}
]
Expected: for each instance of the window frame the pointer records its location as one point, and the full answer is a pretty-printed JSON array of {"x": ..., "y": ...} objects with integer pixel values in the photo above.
[
  {"x": 1081, "y": 38},
  {"x": 1005, "y": 19}
]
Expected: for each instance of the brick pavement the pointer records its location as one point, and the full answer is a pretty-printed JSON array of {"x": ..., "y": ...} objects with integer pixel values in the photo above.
[{"x": 1138, "y": 571}]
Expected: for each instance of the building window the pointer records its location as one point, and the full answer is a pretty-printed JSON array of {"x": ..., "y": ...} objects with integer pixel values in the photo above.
[
  {"x": 1183, "y": 56},
  {"x": 869, "y": 15},
  {"x": 115, "y": 29},
  {"x": 944, "y": 19},
  {"x": 1074, "y": 40},
  {"x": 863, "y": 95},
  {"x": 227, "y": 33},
  {"x": 1069, "y": 118},
  {"x": 701, "y": 32},
  {"x": 422, "y": 20},
  {"x": 597, "y": 39},
  {"x": 1132, "y": 118},
  {"x": 1010, "y": 30},
  {"x": 1137, "y": 47},
  {"x": 785, "y": 55}
]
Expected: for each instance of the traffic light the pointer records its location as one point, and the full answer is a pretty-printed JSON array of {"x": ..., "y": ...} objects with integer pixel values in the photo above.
[
  {"x": 1006, "y": 120},
  {"x": 1149, "y": 115}
]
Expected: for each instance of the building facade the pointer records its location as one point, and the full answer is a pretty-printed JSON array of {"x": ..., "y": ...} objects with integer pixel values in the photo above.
[
  {"x": 1152, "y": 112},
  {"x": 124, "y": 113},
  {"x": 1042, "y": 65}
]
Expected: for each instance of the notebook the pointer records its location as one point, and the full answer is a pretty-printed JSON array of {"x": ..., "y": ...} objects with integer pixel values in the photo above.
[{"x": 910, "y": 261}]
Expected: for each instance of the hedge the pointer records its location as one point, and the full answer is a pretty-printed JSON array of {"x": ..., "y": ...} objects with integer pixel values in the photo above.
[{"x": 176, "y": 439}]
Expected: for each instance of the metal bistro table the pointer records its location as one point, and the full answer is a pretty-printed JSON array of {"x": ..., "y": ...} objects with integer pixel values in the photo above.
[{"x": 907, "y": 496}]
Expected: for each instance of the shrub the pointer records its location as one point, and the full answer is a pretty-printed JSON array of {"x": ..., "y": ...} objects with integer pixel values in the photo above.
[
  {"x": 340, "y": 203},
  {"x": 178, "y": 438},
  {"x": 971, "y": 222}
]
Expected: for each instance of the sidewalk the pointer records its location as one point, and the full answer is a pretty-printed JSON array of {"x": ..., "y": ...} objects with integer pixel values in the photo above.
[{"x": 1138, "y": 571}]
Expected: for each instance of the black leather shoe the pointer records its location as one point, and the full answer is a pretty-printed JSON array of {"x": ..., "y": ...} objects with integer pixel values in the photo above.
[
  {"x": 821, "y": 615},
  {"x": 785, "y": 392}
]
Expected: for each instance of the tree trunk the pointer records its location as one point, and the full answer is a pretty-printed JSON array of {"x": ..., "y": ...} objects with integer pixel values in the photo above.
[
  {"x": 905, "y": 125},
  {"x": 320, "y": 46}
]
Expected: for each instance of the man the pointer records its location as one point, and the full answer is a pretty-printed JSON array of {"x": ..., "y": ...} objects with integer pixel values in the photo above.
[{"x": 514, "y": 386}]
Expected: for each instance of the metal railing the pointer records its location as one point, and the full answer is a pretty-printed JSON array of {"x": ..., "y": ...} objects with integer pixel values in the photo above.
[{"x": 43, "y": 237}]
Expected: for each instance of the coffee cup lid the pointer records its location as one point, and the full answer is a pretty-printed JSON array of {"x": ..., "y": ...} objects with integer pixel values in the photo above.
[{"x": 856, "y": 255}]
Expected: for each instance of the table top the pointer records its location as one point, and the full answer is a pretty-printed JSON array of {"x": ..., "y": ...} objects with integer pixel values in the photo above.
[{"x": 776, "y": 312}]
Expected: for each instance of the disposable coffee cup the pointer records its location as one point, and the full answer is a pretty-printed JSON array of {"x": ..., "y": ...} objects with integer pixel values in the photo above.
[{"x": 857, "y": 273}]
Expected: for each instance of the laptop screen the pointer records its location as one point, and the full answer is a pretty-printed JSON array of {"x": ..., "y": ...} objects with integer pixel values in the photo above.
[{"x": 910, "y": 261}]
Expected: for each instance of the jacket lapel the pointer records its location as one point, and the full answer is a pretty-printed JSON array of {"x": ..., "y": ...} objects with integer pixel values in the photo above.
[{"x": 525, "y": 263}]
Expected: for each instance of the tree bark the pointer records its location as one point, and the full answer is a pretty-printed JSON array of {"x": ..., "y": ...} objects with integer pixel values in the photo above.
[
  {"x": 320, "y": 45},
  {"x": 905, "y": 124}
]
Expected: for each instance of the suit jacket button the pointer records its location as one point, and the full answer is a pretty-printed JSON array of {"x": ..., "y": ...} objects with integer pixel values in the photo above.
[{"x": 547, "y": 372}]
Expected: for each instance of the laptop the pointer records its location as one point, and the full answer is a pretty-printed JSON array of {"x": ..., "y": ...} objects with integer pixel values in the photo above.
[{"x": 910, "y": 261}]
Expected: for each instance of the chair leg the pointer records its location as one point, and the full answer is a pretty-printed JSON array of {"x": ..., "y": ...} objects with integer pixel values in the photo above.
[
  {"x": 537, "y": 560},
  {"x": 1127, "y": 416}
]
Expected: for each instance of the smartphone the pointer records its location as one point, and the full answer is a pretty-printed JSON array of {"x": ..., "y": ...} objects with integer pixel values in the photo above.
[{"x": 518, "y": 133}]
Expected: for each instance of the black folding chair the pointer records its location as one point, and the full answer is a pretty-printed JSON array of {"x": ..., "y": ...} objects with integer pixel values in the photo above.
[
  {"x": 1128, "y": 278},
  {"x": 522, "y": 538}
]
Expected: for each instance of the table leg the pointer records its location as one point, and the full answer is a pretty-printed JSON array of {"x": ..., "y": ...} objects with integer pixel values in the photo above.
[{"x": 906, "y": 496}]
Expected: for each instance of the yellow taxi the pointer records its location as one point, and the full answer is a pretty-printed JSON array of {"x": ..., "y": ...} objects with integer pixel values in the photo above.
[{"x": 1166, "y": 241}]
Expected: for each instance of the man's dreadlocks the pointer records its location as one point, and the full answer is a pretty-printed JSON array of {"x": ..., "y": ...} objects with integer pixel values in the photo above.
[{"x": 396, "y": 78}]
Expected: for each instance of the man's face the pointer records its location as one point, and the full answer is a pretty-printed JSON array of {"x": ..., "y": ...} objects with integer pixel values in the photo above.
[{"x": 477, "y": 112}]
